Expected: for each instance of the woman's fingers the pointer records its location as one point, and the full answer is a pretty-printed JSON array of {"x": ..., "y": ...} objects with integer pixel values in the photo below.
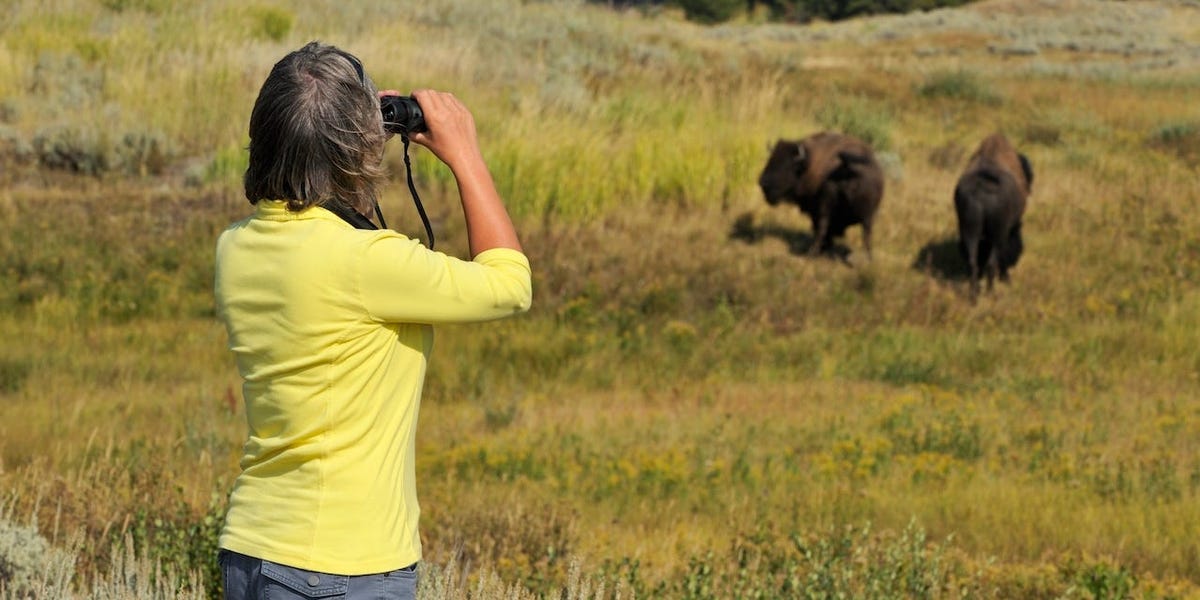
[{"x": 451, "y": 127}]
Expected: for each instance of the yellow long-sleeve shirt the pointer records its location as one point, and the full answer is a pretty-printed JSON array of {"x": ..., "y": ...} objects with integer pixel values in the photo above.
[{"x": 331, "y": 330}]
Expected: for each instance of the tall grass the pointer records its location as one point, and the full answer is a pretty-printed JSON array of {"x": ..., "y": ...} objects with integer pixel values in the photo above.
[{"x": 692, "y": 408}]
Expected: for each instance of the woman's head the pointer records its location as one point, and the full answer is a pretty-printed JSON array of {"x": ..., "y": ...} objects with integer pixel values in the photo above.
[{"x": 316, "y": 134}]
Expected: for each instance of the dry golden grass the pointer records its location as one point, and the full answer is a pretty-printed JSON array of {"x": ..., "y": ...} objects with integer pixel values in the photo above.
[{"x": 688, "y": 390}]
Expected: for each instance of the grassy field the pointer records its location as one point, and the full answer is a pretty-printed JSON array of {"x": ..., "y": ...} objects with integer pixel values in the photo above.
[{"x": 693, "y": 408}]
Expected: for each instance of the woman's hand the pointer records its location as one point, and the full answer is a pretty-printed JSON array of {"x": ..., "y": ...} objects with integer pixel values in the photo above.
[
  {"x": 452, "y": 138},
  {"x": 450, "y": 127}
]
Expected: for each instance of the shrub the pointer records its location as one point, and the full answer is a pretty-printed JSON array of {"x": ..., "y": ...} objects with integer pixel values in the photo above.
[
  {"x": 70, "y": 149},
  {"x": 834, "y": 10},
  {"x": 958, "y": 85},
  {"x": 83, "y": 151},
  {"x": 14, "y": 149},
  {"x": 1180, "y": 139},
  {"x": 861, "y": 118},
  {"x": 13, "y": 374},
  {"x": 179, "y": 546},
  {"x": 711, "y": 11},
  {"x": 849, "y": 562},
  {"x": 273, "y": 23},
  {"x": 29, "y": 565},
  {"x": 1103, "y": 580},
  {"x": 150, "y": 6},
  {"x": 789, "y": 10},
  {"x": 142, "y": 153}
]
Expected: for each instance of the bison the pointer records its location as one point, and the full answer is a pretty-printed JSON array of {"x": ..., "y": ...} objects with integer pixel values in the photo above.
[
  {"x": 989, "y": 200},
  {"x": 833, "y": 178}
]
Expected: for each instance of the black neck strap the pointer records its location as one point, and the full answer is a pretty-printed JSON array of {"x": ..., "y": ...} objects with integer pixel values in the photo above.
[
  {"x": 359, "y": 221},
  {"x": 412, "y": 190},
  {"x": 352, "y": 216}
]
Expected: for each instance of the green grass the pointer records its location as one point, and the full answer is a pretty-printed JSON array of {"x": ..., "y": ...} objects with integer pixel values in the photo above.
[{"x": 692, "y": 409}]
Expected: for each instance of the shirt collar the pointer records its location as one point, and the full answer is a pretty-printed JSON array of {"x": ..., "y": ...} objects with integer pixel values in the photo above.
[{"x": 277, "y": 210}]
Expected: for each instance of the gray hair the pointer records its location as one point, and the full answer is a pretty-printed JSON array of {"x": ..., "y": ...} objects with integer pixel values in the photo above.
[{"x": 316, "y": 134}]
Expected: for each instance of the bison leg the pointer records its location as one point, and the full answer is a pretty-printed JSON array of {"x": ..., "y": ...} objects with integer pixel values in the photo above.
[
  {"x": 820, "y": 233},
  {"x": 996, "y": 266},
  {"x": 969, "y": 242},
  {"x": 971, "y": 252},
  {"x": 822, "y": 217},
  {"x": 1013, "y": 246},
  {"x": 991, "y": 268},
  {"x": 997, "y": 236}
]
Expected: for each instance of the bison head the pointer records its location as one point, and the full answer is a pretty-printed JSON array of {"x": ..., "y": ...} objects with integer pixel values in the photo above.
[{"x": 784, "y": 168}]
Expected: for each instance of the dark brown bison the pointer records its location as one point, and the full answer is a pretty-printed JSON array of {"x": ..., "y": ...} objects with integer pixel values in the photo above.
[
  {"x": 990, "y": 201},
  {"x": 833, "y": 178}
]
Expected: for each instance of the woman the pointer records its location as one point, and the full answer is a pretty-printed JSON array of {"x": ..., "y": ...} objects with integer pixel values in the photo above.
[{"x": 331, "y": 327}]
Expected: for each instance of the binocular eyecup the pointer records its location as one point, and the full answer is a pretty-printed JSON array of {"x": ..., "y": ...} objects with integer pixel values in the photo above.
[{"x": 402, "y": 115}]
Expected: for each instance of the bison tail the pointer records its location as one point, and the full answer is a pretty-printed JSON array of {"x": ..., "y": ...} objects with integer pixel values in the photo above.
[
  {"x": 968, "y": 207},
  {"x": 1027, "y": 169}
]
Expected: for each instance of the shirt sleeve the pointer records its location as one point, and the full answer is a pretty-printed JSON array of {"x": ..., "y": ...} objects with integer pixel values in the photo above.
[{"x": 402, "y": 281}]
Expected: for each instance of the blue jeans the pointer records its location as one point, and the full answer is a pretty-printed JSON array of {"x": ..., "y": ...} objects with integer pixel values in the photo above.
[{"x": 249, "y": 578}]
